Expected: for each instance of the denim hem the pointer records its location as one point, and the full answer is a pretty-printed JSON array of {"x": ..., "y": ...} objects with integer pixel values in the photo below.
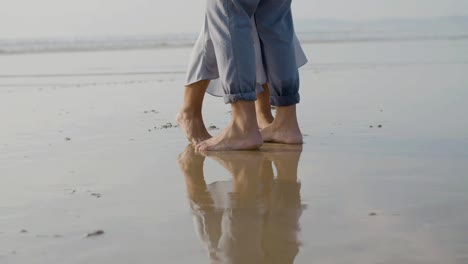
[
  {"x": 232, "y": 98},
  {"x": 285, "y": 100}
]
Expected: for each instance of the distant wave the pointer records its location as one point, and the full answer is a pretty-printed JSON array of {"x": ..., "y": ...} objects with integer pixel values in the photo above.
[
  {"x": 87, "y": 74},
  {"x": 309, "y": 31},
  {"x": 72, "y": 45},
  {"x": 94, "y": 44}
]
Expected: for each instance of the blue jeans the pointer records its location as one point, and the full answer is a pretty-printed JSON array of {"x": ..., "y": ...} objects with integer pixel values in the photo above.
[{"x": 231, "y": 32}]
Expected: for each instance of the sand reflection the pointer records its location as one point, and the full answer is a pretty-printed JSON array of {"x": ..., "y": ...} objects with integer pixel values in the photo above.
[{"x": 253, "y": 218}]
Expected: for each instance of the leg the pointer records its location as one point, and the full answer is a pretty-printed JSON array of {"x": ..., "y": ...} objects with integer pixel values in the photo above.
[
  {"x": 263, "y": 108},
  {"x": 229, "y": 22},
  {"x": 190, "y": 117},
  {"x": 276, "y": 31}
]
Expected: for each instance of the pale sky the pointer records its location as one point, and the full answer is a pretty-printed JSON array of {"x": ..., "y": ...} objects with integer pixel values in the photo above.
[{"x": 65, "y": 18}]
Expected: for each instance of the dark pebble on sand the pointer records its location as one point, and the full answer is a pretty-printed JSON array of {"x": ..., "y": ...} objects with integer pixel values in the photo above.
[
  {"x": 372, "y": 214},
  {"x": 23, "y": 231},
  {"x": 95, "y": 233},
  {"x": 371, "y": 126},
  {"x": 67, "y": 139},
  {"x": 167, "y": 125},
  {"x": 212, "y": 128},
  {"x": 97, "y": 195},
  {"x": 379, "y": 126}
]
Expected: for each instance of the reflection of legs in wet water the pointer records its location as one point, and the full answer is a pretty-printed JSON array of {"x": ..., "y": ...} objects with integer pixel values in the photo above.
[
  {"x": 228, "y": 220},
  {"x": 207, "y": 218},
  {"x": 191, "y": 165},
  {"x": 245, "y": 168},
  {"x": 243, "y": 219},
  {"x": 280, "y": 241},
  {"x": 256, "y": 220}
]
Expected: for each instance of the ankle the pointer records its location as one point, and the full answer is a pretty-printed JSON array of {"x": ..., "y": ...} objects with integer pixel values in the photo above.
[
  {"x": 244, "y": 116},
  {"x": 261, "y": 115},
  {"x": 244, "y": 126},
  {"x": 189, "y": 112}
]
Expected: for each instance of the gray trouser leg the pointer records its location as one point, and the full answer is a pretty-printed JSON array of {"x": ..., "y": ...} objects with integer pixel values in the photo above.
[
  {"x": 276, "y": 30},
  {"x": 231, "y": 32}
]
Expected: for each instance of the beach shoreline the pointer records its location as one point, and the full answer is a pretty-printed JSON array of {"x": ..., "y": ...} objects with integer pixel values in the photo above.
[{"x": 88, "y": 143}]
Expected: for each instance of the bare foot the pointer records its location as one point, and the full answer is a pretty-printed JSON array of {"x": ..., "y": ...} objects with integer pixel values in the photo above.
[
  {"x": 233, "y": 138},
  {"x": 193, "y": 127},
  {"x": 285, "y": 128},
  {"x": 281, "y": 134}
]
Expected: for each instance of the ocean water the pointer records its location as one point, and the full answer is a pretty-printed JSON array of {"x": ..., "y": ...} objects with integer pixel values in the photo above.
[{"x": 309, "y": 31}]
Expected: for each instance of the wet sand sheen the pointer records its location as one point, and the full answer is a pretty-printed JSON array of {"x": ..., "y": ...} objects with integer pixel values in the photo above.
[{"x": 94, "y": 171}]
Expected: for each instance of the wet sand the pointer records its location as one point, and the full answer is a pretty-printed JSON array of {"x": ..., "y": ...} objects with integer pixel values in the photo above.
[{"x": 94, "y": 170}]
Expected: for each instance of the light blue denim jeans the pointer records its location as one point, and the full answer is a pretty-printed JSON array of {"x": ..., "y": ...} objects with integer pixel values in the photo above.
[{"x": 231, "y": 32}]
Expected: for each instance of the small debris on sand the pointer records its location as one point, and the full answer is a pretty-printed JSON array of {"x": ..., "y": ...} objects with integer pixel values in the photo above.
[
  {"x": 145, "y": 112},
  {"x": 23, "y": 231},
  {"x": 371, "y": 126},
  {"x": 67, "y": 139},
  {"x": 154, "y": 111},
  {"x": 95, "y": 233},
  {"x": 167, "y": 125},
  {"x": 372, "y": 214},
  {"x": 97, "y": 195},
  {"x": 212, "y": 128},
  {"x": 379, "y": 126},
  {"x": 149, "y": 130}
]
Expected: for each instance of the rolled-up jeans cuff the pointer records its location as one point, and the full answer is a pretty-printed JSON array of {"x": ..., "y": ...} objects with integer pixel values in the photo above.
[
  {"x": 232, "y": 98},
  {"x": 285, "y": 100}
]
